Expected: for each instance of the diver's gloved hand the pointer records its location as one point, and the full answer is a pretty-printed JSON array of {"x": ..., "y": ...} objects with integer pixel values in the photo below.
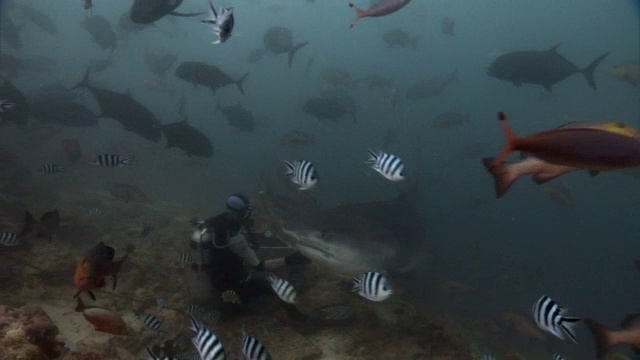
[{"x": 296, "y": 259}]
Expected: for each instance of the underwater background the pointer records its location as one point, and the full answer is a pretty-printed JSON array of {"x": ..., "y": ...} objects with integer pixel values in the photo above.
[{"x": 475, "y": 257}]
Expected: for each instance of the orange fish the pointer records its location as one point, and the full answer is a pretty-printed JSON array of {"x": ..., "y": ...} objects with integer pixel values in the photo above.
[
  {"x": 606, "y": 339},
  {"x": 96, "y": 265},
  {"x": 104, "y": 320},
  {"x": 582, "y": 148},
  {"x": 505, "y": 174}
]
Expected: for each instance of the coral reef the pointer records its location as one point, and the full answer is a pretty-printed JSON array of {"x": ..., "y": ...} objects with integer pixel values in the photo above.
[{"x": 28, "y": 333}]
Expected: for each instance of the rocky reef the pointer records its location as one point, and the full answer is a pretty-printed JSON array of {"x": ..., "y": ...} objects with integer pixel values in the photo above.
[{"x": 28, "y": 333}]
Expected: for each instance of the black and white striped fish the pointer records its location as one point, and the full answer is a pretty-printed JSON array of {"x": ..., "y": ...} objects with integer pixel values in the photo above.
[
  {"x": 388, "y": 165},
  {"x": 285, "y": 291},
  {"x": 151, "y": 322},
  {"x": 372, "y": 286},
  {"x": 302, "y": 173},
  {"x": 95, "y": 211},
  {"x": 156, "y": 357},
  {"x": 195, "y": 310},
  {"x": 9, "y": 239},
  {"x": 551, "y": 317},
  {"x": 110, "y": 160},
  {"x": 557, "y": 357},
  {"x": 50, "y": 169},
  {"x": 221, "y": 23},
  {"x": 206, "y": 342},
  {"x": 253, "y": 349},
  {"x": 185, "y": 259}
]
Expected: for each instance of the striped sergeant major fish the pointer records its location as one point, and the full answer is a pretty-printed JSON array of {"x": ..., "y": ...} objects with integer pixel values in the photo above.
[
  {"x": 206, "y": 342},
  {"x": 372, "y": 286},
  {"x": 302, "y": 173},
  {"x": 110, "y": 160},
  {"x": 6, "y": 105},
  {"x": 9, "y": 239},
  {"x": 388, "y": 165},
  {"x": 551, "y": 317},
  {"x": 283, "y": 288},
  {"x": 253, "y": 349},
  {"x": 151, "y": 322},
  {"x": 50, "y": 169},
  {"x": 557, "y": 357}
]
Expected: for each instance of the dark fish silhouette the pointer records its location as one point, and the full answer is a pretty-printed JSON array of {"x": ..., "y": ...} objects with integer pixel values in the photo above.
[
  {"x": 432, "y": 86},
  {"x": 64, "y": 113},
  {"x": 123, "y": 108},
  {"x": 330, "y": 108},
  {"x": 238, "y": 117},
  {"x": 149, "y": 11},
  {"x": 101, "y": 31},
  {"x": 401, "y": 38},
  {"x": 207, "y": 75},
  {"x": 187, "y": 138},
  {"x": 159, "y": 65},
  {"x": 37, "y": 17},
  {"x": 47, "y": 227},
  {"x": 279, "y": 40},
  {"x": 19, "y": 113},
  {"x": 545, "y": 68}
]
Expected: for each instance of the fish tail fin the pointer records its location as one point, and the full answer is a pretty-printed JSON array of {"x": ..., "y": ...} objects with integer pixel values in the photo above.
[
  {"x": 290, "y": 168},
  {"x": 295, "y": 49},
  {"x": 414, "y": 41},
  {"x": 195, "y": 325},
  {"x": 29, "y": 223},
  {"x": 359, "y": 12},
  {"x": 567, "y": 326},
  {"x": 240, "y": 81},
  {"x": 373, "y": 157},
  {"x": 84, "y": 81},
  {"x": 588, "y": 71},
  {"x": 356, "y": 284},
  {"x": 511, "y": 140},
  {"x": 502, "y": 177},
  {"x": 601, "y": 336}
]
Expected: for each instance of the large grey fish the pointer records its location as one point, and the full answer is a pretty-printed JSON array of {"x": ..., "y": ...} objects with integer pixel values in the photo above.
[
  {"x": 64, "y": 113},
  {"x": 279, "y": 40},
  {"x": 330, "y": 108},
  {"x": 123, "y": 108},
  {"x": 432, "y": 86},
  {"x": 19, "y": 112},
  {"x": 187, "y": 138},
  {"x": 397, "y": 37},
  {"x": 159, "y": 64},
  {"x": 149, "y": 11},
  {"x": 37, "y": 17},
  {"x": 101, "y": 31},
  {"x": 207, "y": 75},
  {"x": 545, "y": 68},
  {"x": 238, "y": 117}
]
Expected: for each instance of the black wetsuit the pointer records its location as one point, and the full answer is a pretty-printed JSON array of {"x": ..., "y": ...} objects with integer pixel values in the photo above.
[{"x": 226, "y": 270}]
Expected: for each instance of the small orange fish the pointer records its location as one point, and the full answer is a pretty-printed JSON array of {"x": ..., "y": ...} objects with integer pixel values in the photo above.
[
  {"x": 104, "y": 320},
  {"x": 96, "y": 265}
]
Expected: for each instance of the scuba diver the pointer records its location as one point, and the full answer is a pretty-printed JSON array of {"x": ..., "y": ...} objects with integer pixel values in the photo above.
[{"x": 226, "y": 242}]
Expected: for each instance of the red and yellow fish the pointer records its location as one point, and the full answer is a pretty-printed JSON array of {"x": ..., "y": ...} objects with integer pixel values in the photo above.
[
  {"x": 96, "y": 265},
  {"x": 505, "y": 173}
]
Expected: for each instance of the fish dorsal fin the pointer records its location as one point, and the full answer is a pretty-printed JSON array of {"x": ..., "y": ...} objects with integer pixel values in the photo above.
[{"x": 554, "y": 48}]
